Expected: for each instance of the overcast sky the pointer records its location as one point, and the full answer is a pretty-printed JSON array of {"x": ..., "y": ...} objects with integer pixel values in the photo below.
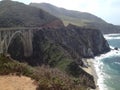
[{"x": 109, "y": 10}]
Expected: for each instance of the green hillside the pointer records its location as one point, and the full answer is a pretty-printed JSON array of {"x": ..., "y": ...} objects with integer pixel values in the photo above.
[
  {"x": 69, "y": 16},
  {"x": 14, "y": 14},
  {"x": 78, "y": 18}
]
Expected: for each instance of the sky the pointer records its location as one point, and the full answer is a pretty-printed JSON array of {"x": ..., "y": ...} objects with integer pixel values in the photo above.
[{"x": 108, "y": 10}]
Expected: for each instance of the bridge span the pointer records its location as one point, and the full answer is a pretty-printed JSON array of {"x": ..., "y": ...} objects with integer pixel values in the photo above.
[{"x": 7, "y": 36}]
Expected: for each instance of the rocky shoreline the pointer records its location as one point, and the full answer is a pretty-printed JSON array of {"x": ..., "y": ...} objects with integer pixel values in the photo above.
[{"x": 91, "y": 70}]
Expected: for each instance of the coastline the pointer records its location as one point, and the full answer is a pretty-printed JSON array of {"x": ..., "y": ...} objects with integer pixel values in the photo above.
[{"x": 91, "y": 70}]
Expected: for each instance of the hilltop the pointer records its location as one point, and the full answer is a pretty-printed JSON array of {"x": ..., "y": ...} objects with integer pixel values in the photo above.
[
  {"x": 16, "y": 14},
  {"x": 68, "y": 15}
]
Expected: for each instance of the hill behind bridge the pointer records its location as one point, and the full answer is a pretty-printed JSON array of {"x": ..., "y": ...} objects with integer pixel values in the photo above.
[{"x": 16, "y": 14}]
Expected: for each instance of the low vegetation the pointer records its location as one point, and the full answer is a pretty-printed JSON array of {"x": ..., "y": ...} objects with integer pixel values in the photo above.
[{"x": 46, "y": 77}]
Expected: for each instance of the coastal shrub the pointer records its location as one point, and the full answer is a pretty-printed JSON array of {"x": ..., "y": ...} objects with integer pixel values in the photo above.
[
  {"x": 54, "y": 79},
  {"x": 47, "y": 78},
  {"x": 73, "y": 69},
  {"x": 8, "y": 66}
]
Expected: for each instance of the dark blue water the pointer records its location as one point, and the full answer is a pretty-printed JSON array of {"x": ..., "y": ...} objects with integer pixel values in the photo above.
[{"x": 108, "y": 66}]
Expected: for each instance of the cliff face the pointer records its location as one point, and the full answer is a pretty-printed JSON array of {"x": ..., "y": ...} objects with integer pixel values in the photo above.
[
  {"x": 84, "y": 42},
  {"x": 93, "y": 41}
]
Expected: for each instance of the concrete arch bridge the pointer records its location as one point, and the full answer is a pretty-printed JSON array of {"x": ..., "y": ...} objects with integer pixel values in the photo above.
[{"x": 7, "y": 36}]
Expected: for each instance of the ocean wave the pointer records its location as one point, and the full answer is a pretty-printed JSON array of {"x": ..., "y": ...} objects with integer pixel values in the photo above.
[
  {"x": 98, "y": 64},
  {"x": 118, "y": 63},
  {"x": 100, "y": 73},
  {"x": 109, "y": 54},
  {"x": 116, "y": 34},
  {"x": 112, "y": 36},
  {"x": 109, "y": 38},
  {"x": 112, "y": 47}
]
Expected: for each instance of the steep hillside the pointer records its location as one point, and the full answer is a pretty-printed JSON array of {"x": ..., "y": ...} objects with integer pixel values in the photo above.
[
  {"x": 43, "y": 78},
  {"x": 66, "y": 15},
  {"x": 78, "y": 18},
  {"x": 14, "y": 14}
]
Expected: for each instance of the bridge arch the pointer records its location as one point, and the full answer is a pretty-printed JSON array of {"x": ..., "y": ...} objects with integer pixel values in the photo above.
[
  {"x": 21, "y": 39},
  {"x": 14, "y": 35},
  {"x": 7, "y": 36}
]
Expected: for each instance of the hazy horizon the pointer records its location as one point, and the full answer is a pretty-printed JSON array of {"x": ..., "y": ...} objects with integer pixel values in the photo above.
[{"x": 108, "y": 10}]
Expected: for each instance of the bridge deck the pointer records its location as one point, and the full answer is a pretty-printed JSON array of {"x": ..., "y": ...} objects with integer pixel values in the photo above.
[{"x": 19, "y": 28}]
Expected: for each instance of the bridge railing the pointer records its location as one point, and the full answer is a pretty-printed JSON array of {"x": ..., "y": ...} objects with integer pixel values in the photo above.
[{"x": 19, "y": 28}]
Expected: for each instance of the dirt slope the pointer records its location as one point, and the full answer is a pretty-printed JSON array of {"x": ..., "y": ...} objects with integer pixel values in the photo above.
[{"x": 16, "y": 83}]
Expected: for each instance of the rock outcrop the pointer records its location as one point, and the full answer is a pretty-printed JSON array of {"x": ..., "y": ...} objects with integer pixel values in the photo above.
[{"x": 84, "y": 42}]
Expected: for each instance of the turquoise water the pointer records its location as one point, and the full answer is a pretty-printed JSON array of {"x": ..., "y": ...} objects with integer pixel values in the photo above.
[{"x": 108, "y": 65}]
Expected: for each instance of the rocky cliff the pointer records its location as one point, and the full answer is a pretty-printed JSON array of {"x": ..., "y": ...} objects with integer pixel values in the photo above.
[{"x": 85, "y": 42}]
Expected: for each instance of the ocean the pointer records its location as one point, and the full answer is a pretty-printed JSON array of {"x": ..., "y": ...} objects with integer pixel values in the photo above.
[{"x": 107, "y": 65}]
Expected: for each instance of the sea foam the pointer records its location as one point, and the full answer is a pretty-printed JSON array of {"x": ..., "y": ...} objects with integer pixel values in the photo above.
[
  {"x": 99, "y": 67},
  {"x": 98, "y": 64},
  {"x": 112, "y": 36},
  {"x": 118, "y": 63}
]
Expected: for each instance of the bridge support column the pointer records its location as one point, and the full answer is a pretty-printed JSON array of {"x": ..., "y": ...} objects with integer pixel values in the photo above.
[
  {"x": 28, "y": 49},
  {"x": 1, "y": 51}
]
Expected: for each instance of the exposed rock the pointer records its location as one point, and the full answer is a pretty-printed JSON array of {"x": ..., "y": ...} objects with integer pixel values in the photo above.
[
  {"x": 84, "y": 42},
  {"x": 86, "y": 78},
  {"x": 116, "y": 48}
]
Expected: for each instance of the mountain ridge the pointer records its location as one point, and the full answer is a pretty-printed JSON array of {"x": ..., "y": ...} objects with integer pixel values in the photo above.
[
  {"x": 78, "y": 18},
  {"x": 71, "y": 13},
  {"x": 15, "y": 14}
]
